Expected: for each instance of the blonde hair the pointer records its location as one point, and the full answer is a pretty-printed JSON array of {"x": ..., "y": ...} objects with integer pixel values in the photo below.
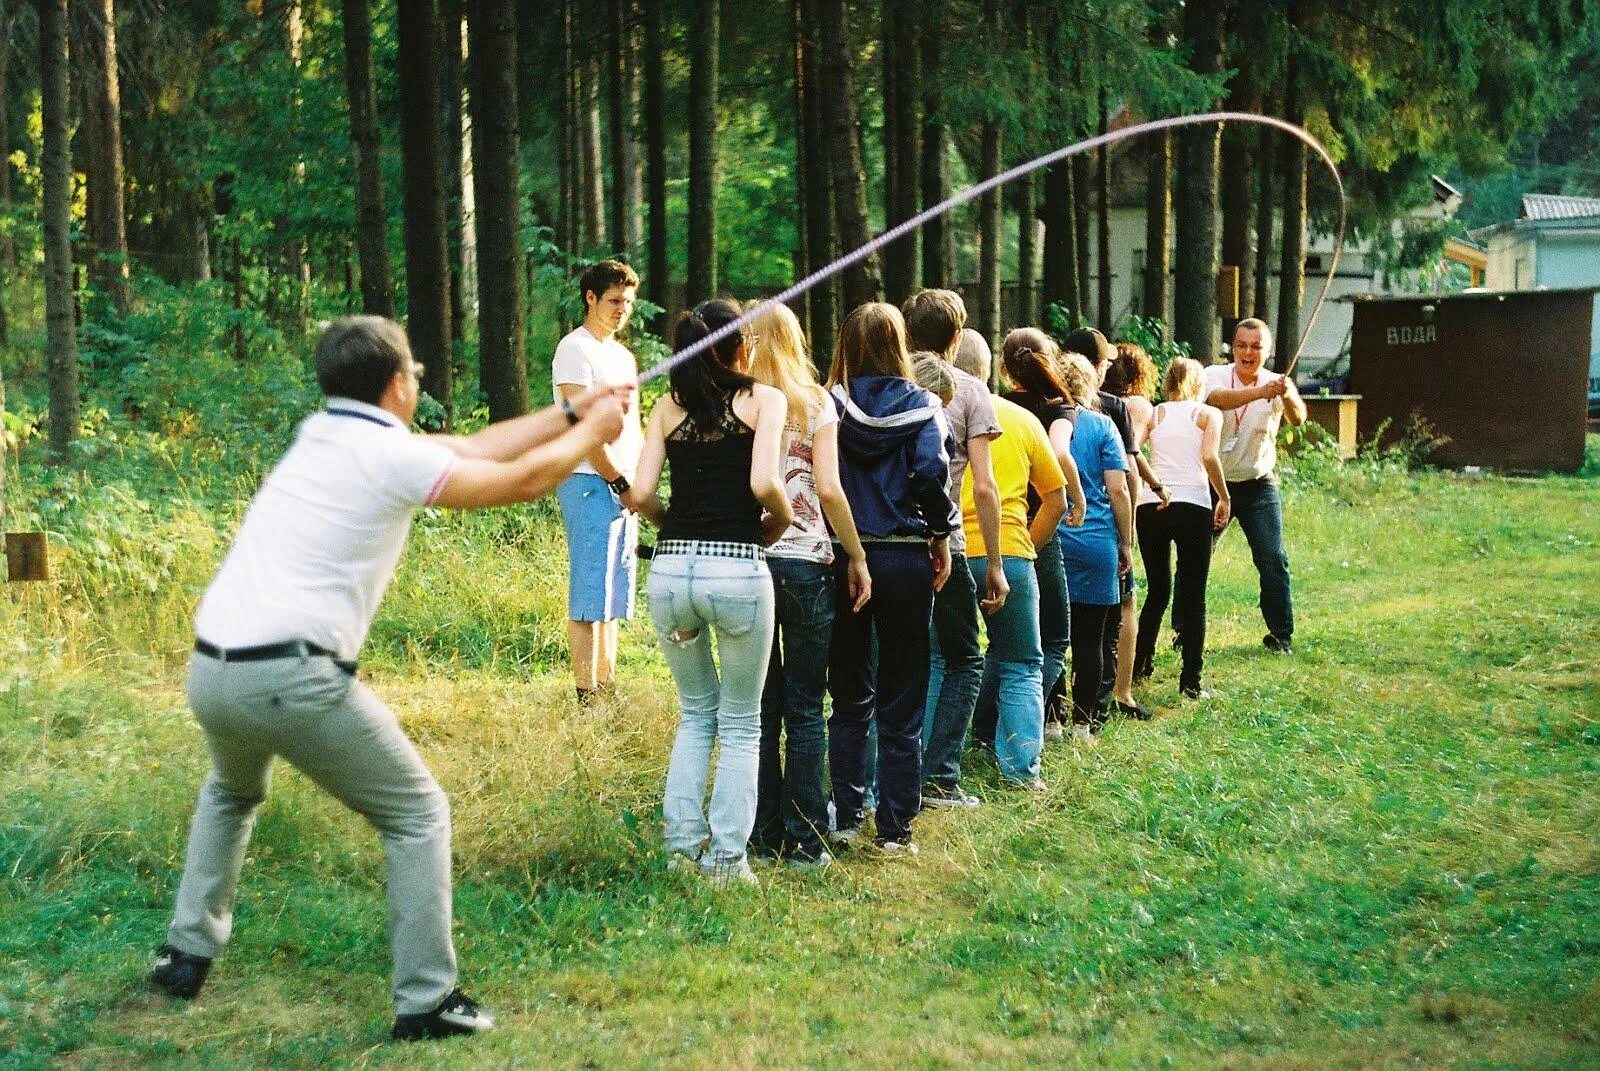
[
  {"x": 1080, "y": 379},
  {"x": 780, "y": 358},
  {"x": 872, "y": 342},
  {"x": 932, "y": 373},
  {"x": 1185, "y": 381}
]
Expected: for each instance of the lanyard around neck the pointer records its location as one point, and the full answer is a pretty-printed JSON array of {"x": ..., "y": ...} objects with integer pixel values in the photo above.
[{"x": 368, "y": 417}]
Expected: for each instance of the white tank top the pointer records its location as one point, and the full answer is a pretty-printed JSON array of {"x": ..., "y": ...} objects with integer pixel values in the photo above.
[{"x": 1175, "y": 456}]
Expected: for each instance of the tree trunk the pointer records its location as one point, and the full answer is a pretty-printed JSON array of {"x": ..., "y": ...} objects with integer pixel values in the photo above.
[
  {"x": 901, "y": 143},
  {"x": 197, "y": 209},
  {"x": 502, "y": 369},
  {"x": 1082, "y": 202},
  {"x": 571, "y": 178},
  {"x": 861, "y": 283},
  {"x": 622, "y": 98},
  {"x": 1103, "y": 308},
  {"x": 108, "y": 229},
  {"x": 451, "y": 138},
  {"x": 703, "y": 45},
  {"x": 632, "y": 160},
  {"x": 1027, "y": 251},
  {"x": 55, "y": 168},
  {"x": 8, "y": 244},
  {"x": 989, "y": 218},
  {"x": 1292, "y": 249},
  {"x": 426, "y": 241},
  {"x": 1060, "y": 286},
  {"x": 1266, "y": 166},
  {"x": 372, "y": 222},
  {"x": 1158, "y": 228},
  {"x": 938, "y": 234},
  {"x": 821, "y": 247},
  {"x": 655, "y": 147},
  {"x": 1195, "y": 288},
  {"x": 1237, "y": 248},
  {"x": 294, "y": 260},
  {"x": 591, "y": 174}
]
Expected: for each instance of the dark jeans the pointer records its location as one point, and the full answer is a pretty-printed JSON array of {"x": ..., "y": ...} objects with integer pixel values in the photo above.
[
  {"x": 900, "y": 610},
  {"x": 1110, "y": 637},
  {"x": 1055, "y": 632},
  {"x": 1188, "y": 527},
  {"x": 1088, "y": 632},
  {"x": 954, "y": 673},
  {"x": 1258, "y": 508},
  {"x": 791, "y": 804}
]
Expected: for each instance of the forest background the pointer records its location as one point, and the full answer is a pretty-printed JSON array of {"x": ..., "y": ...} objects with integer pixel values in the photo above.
[{"x": 1379, "y": 855}]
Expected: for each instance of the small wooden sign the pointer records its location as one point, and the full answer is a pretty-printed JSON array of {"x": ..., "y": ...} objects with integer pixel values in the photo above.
[
  {"x": 27, "y": 556},
  {"x": 1228, "y": 292}
]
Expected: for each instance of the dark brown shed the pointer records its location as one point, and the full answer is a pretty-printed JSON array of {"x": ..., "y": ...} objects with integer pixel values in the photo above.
[{"x": 1503, "y": 374}]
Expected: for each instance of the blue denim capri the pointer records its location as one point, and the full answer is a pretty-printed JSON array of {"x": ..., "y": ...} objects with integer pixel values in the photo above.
[{"x": 601, "y": 537}]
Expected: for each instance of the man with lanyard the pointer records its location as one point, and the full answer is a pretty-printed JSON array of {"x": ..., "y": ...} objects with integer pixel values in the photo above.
[
  {"x": 1253, "y": 402},
  {"x": 280, "y": 627}
]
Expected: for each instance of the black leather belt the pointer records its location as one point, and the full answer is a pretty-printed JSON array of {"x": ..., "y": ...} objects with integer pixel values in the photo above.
[{"x": 268, "y": 652}]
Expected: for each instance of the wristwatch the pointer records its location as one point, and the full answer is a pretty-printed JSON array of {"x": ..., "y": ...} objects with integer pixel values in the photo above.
[{"x": 620, "y": 485}]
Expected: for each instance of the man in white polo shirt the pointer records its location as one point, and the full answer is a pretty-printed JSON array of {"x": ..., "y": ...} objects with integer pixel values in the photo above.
[
  {"x": 601, "y": 533},
  {"x": 1254, "y": 402},
  {"x": 279, "y": 629}
]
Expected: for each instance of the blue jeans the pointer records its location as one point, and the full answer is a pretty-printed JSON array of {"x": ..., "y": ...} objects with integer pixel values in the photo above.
[
  {"x": 1012, "y": 672},
  {"x": 791, "y": 805},
  {"x": 901, "y": 607},
  {"x": 1259, "y": 511},
  {"x": 692, "y": 595},
  {"x": 955, "y": 666},
  {"x": 1055, "y": 633}
]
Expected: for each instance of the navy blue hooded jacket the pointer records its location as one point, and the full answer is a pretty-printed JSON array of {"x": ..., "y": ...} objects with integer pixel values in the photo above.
[{"x": 894, "y": 458}]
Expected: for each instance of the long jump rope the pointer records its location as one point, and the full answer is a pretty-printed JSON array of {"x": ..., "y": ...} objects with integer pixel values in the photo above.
[{"x": 861, "y": 253}]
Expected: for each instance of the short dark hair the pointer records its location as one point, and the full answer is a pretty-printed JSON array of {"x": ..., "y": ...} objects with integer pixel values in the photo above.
[
  {"x": 357, "y": 356},
  {"x": 602, "y": 275},
  {"x": 1092, "y": 344},
  {"x": 934, "y": 319}
]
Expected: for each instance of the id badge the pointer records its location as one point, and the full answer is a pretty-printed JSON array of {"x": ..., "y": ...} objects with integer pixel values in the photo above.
[{"x": 1228, "y": 443}]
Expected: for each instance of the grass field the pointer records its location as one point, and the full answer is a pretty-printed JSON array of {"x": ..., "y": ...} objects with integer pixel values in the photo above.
[{"x": 1381, "y": 853}]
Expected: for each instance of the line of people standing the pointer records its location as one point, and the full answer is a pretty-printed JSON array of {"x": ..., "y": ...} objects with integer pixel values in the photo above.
[{"x": 856, "y": 537}]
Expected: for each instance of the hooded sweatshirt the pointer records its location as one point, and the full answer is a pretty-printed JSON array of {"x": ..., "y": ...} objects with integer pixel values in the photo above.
[{"x": 894, "y": 459}]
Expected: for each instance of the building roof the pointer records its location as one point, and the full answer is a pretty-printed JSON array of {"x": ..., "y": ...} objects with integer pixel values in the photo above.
[{"x": 1542, "y": 206}]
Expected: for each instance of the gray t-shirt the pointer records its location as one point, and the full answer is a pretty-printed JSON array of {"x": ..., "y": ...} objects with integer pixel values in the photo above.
[{"x": 971, "y": 415}]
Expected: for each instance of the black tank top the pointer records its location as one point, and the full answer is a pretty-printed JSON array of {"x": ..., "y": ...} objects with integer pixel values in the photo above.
[{"x": 711, "y": 497}]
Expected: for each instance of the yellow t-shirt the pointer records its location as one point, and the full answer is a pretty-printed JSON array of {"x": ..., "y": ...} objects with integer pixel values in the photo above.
[{"x": 1021, "y": 455}]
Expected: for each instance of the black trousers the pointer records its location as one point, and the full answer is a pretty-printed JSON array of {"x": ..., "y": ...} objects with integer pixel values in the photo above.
[
  {"x": 1088, "y": 659},
  {"x": 1186, "y": 527}
]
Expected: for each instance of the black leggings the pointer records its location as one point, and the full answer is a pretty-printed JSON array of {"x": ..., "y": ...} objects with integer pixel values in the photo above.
[
  {"x": 1088, "y": 659},
  {"x": 1188, "y": 527}
]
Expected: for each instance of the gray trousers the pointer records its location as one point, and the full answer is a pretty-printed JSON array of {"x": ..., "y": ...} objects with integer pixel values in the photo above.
[{"x": 336, "y": 732}]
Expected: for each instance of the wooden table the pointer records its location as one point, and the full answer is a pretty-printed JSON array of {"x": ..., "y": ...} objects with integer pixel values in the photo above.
[{"x": 1336, "y": 413}]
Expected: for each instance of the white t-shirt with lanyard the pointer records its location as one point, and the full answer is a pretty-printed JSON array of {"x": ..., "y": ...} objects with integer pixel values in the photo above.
[{"x": 1249, "y": 432}]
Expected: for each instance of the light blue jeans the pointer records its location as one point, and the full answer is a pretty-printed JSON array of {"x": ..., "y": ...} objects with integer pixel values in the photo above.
[
  {"x": 692, "y": 596},
  {"x": 1011, "y": 670}
]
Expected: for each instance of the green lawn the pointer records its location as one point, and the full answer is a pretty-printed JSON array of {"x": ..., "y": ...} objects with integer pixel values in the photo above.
[{"x": 1383, "y": 852}]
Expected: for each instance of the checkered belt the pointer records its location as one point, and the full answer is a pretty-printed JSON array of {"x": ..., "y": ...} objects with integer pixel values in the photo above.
[{"x": 710, "y": 548}]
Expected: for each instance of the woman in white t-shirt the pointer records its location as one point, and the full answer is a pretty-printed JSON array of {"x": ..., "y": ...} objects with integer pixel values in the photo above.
[
  {"x": 791, "y": 798},
  {"x": 1184, "y": 437}
]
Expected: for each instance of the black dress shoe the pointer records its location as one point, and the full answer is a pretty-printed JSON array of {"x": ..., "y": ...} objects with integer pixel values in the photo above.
[
  {"x": 456, "y": 1014},
  {"x": 1136, "y": 712},
  {"x": 179, "y": 974}
]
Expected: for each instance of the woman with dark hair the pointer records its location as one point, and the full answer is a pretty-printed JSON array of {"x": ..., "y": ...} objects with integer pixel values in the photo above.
[
  {"x": 1097, "y": 553},
  {"x": 1027, "y": 358},
  {"x": 720, "y": 431},
  {"x": 894, "y": 465}
]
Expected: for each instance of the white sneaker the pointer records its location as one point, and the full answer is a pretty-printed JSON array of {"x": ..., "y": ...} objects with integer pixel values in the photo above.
[
  {"x": 1082, "y": 737},
  {"x": 725, "y": 872},
  {"x": 803, "y": 864},
  {"x": 902, "y": 849},
  {"x": 953, "y": 799},
  {"x": 1054, "y": 731}
]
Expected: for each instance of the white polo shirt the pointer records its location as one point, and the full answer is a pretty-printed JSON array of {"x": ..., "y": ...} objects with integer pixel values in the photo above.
[
  {"x": 581, "y": 360},
  {"x": 320, "y": 542},
  {"x": 1249, "y": 447}
]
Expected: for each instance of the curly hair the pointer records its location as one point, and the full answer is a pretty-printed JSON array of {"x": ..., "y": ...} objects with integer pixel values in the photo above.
[{"x": 1133, "y": 372}]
